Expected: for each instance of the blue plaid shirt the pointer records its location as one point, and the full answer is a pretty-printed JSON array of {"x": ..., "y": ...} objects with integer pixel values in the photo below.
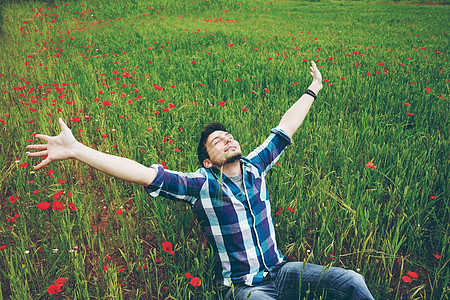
[{"x": 238, "y": 225}]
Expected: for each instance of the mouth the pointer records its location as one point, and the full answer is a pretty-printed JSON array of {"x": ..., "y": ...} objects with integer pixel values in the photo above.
[{"x": 230, "y": 148}]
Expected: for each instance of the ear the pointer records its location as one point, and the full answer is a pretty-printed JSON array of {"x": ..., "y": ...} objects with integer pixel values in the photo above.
[{"x": 207, "y": 163}]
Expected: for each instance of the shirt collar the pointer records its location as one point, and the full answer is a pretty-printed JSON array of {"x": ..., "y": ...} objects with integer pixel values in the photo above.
[{"x": 216, "y": 171}]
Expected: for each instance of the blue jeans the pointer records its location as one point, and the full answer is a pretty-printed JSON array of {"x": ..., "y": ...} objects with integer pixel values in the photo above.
[{"x": 284, "y": 282}]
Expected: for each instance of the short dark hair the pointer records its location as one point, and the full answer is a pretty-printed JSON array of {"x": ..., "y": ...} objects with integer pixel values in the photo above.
[{"x": 202, "y": 153}]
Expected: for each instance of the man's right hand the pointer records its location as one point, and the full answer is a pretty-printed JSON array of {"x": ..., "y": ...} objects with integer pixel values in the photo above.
[{"x": 57, "y": 148}]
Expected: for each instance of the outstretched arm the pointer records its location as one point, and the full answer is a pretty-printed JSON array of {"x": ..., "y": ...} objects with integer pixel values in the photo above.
[
  {"x": 65, "y": 146},
  {"x": 295, "y": 115}
]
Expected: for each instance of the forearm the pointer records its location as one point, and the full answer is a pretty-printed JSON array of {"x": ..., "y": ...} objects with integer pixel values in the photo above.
[
  {"x": 120, "y": 167},
  {"x": 295, "y": 115}
]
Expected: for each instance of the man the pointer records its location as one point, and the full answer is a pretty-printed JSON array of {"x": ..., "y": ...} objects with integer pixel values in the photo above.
[{"x": 230, "y": 200}]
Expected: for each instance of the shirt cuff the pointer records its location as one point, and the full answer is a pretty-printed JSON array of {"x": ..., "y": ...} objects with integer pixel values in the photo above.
[
  {"x": 280, "y": 131},
  {"x": 154, "y": 188}
]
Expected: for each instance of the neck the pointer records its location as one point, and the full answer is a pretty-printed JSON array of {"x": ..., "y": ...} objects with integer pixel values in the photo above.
[{"x": 232, "y": 169}]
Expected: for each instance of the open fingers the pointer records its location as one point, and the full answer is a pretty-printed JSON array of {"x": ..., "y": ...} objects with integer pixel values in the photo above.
[
  {"x": 36, "y": 154},
  {"x": 63, "y": 125},
  {"x": 43, "y": 137},
  {"x": 37, "y": 147},
  {"x": 42, "y": 164}
]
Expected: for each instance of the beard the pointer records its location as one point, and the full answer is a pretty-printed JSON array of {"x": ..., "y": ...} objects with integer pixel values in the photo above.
[{"x": 232, "y": 159}]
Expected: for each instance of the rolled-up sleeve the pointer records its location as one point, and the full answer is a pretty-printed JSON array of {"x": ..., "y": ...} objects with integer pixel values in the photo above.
[
  {"x": 177, "y": 186},
  {"x": 268, "y": 153}
]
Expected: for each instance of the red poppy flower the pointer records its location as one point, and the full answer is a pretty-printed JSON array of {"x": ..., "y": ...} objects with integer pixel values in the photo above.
[
  {"x": 43, "y": 205},
  {"x": 12, "y": 199},
  {"x": 2, "y": 247},
  {"x": 54, "y": 289},
  {"x": 188, "y": 275},
  {"x": 412, "y": 274},
  {"x": 195, "y": 281},
  {"x": 57, "y": 205},
  {"x": 58, "y": 194},
  {"x": 72, "y": 206},
  {"x": 167, "y": 247},
  {"x": 437, "y": 255},
  {"x": 60, "y": 281},
  {"x": 406, "y": 279},
  {"x": 290, "y": 209},
  {"x": 119, "y": 211},
  {"x": 371, "y": 165}
]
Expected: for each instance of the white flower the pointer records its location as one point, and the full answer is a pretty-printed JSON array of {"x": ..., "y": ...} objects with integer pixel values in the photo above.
[
  {"x": 27, "y": 251},
  {"x": 55, "y": 250}
]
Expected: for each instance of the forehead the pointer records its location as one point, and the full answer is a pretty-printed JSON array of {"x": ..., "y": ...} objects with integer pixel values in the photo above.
[{"x": 217, "y": 133}]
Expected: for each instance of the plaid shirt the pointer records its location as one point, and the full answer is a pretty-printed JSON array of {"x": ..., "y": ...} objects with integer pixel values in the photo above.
[{"x": 238, "y": 225}]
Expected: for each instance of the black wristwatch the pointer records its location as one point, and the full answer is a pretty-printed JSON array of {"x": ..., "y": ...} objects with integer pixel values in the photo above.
[{"x": 311, "y": 93}]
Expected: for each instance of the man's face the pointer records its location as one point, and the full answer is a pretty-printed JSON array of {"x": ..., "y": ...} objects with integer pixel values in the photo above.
[{"x": 222, "y": 149}]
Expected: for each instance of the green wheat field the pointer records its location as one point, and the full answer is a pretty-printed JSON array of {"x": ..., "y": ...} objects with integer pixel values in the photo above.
[{"x": 365, "y": 186}]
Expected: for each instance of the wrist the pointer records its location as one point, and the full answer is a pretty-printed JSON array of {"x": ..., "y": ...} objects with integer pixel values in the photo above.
[
  {"x": 78, "y": 149},
  {"x": 315, "y": 87}
]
